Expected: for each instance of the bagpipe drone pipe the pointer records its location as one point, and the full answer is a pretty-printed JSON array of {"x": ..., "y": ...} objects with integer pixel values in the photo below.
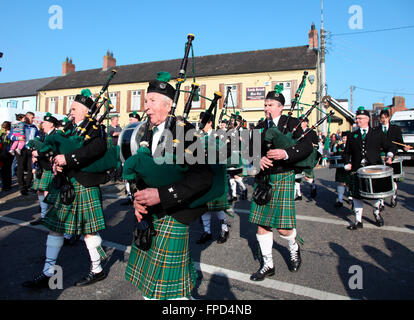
[{"x": 70, "y": 139}]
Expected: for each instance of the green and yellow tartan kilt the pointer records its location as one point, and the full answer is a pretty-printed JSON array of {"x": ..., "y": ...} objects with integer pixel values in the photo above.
[
  {"x": 166, "y": 270},
  {"x": 83, "y": 216},
  {"x": 221, "y": 203},
  {"x": 354, "y": 187},
  {"x": 43, "y": 183},
  {"x": 279, "y": 212},
  {"x": 309, "y": 173},
  {"x": 341, "y": 175}
]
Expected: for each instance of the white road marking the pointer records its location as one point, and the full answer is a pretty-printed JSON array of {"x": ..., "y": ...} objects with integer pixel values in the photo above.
[
  {"x": 339, "y": 222},
  {"x": 214, "y": 270}
]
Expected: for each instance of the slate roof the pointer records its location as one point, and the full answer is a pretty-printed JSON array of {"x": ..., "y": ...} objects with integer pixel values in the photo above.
[
  {"x": 23, "y": 88},
  {"x": 282, "y": 59}
]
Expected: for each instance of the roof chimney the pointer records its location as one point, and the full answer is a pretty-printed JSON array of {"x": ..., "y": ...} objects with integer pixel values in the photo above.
[
  {"x": 109, "y": 61},
  {"x": 313, "y": 37},
  {"x": 68, "y": 66}
]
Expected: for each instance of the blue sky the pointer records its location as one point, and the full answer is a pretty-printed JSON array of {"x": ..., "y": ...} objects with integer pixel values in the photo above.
[{"x": 142, "y": 31}]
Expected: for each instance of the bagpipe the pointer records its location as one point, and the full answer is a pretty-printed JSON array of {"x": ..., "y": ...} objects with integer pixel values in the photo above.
[
  {"x": 72, "y": 138},
  {"x": 142, "y": 170}
]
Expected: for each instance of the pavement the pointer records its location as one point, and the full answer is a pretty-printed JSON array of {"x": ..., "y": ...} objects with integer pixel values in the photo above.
[{"x": 337, "y": 264}]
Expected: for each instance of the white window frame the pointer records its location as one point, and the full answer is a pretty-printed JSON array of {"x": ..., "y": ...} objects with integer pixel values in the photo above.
[
  {"x": 234, "y": 94},
  {"x": 52, "y": 102},
  {"x": 135, "y": 96}
]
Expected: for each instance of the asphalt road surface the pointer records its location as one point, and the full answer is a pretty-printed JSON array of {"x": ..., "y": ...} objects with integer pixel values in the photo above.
[{"x": 372, "y": 263}]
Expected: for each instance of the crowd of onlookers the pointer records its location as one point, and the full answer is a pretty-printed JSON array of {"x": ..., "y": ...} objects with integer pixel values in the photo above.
[{"x": 15, "y": 157}]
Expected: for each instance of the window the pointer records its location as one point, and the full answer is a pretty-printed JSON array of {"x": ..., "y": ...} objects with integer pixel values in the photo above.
[
  {"x": 26, "y": 104},
  {"x": 113, "y": 98},
  {"x": 196, "y": 104},
  {"x": 135, "y": 100},
  {"x": 287, "y": 92},
  {"x": 233, "y": 96},
  {"x": 52, "y": 105}
]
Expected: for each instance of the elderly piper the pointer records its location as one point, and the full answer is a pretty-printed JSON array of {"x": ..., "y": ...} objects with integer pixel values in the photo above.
[{"x": 84, "y": 216}]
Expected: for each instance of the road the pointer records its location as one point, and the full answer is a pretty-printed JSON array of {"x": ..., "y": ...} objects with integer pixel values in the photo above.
[{"x": 372, "y": 263}]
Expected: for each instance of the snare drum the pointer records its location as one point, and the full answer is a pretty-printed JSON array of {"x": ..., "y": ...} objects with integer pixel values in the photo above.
[
  {"x": 397, "y": 167},
  {"x": 129, "y": 139},
  {"x": 375, "y": 182},
  {"x": 336, "y": 162}
]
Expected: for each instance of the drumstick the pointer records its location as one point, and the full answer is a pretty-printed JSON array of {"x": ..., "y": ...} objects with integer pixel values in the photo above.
[{"x": 401, "y": 144}]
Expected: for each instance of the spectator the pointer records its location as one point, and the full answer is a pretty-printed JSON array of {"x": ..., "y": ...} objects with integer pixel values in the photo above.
[
  {"x": 24, "y": 160},
  {"x": 6, "y": 159},
  {"x": 18, "y": 133}
]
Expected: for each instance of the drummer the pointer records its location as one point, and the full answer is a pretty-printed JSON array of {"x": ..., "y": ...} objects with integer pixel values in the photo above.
[
  {"x": 393, "y": 133},
  {"x": 364, "y": 149},
  {"x": 133, "y": 118}
]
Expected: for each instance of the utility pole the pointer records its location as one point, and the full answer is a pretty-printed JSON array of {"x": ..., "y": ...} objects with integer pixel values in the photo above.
[
  {"x": 322, "y": 68},
  {"x": 352, "y": 98}
]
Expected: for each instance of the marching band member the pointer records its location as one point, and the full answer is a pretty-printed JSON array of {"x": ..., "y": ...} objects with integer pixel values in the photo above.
[
  {"x": 341, "y": 176},
  {"x": 44, "y": 174},
  {"x": 364, "y": 149},
  {"x": 218, "y": 206},
  {"x": 166, "y": 271},
  {"x": 85, "y": 214},
  {"x": 279, "y": 212},
  {"x": 393, "y": 133}
]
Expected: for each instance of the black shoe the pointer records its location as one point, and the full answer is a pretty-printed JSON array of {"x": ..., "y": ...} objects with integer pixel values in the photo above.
[
  {"x": 224, "y": 235},
  {"x": 295, "y": 260},
  {"x": 127, "y": 202},
  {"x": 393, "y": 202},
  {"x": 355, "y": 226},
  {"x": 262, "y": 273},
  {"x": 40, "y": 282},
  {"x": 378, "y": 219},
  {"x": 313, "y": 192},
  {"x": 298, "y": 198},
  {"x": 233, "y": 199},
  {"x": 36, "y": 222},
  {"x": 338, "y": 204},
  {"x": 24, "y": 192},
  {"x": 91, "y": 278},
  {"x": 382, "y": 207},
  {"x": 244, "y": 195},
  {"x": 205, "y": 237}
]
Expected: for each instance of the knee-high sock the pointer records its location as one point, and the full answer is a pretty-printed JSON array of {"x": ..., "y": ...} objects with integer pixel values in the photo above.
[
  {"x": 233, "y": 187},
  {"x": 93, "y": 242},
  {"x": 377, "y": 205},
  {"x": 239, "y": 180},
  {"x": 297, "y": 189},
  {"x": 293, "y": 246},
  {"x": 358, "y": 208},
  {"x": 128, "y": 188},
  {"x": 341, "y": 190},
  {"x": 206, "y": 218},
  {"x": 53, "y": 246},
  {"x": 43, "y": 205},
  {"x": 221, "y": 215},
  {"x": 266, "y": 245}
]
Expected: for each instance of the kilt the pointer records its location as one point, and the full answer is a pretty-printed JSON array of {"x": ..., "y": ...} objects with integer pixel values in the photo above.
[
  {"x": 166, "y": 270},
  {"x": 221, "y": 203},
  {"x": 342, "y": 176},
  {"x": 354, "y": 185},
  {"x": 83, "y": 216},
  {"x": 43, "y": 183},
  {"x": 279, "y": 212}
]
